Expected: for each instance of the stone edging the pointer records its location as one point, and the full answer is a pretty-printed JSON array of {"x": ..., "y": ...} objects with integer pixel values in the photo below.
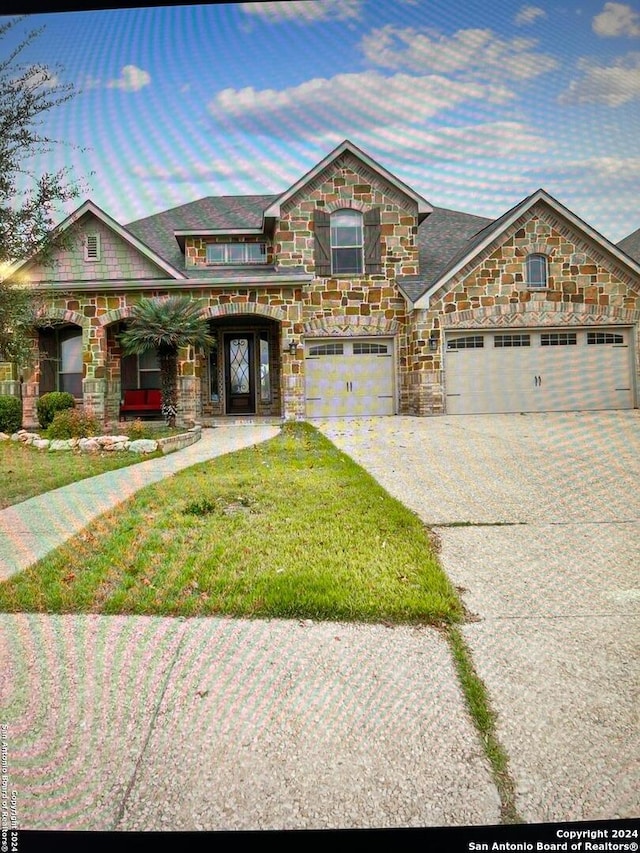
[{"x": 108, "y": 442}]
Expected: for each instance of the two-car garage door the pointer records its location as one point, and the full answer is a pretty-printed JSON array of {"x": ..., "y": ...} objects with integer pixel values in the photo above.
[
  {"x": 349, "y": 377},
  {"x": 538, "y": 370}
]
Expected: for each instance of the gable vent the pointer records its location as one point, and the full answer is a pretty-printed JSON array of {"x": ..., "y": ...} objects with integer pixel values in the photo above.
[{"x": 92, "y": 247}]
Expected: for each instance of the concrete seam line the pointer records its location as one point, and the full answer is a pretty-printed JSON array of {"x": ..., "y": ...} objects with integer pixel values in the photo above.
[{"x": 121, "y": 809}]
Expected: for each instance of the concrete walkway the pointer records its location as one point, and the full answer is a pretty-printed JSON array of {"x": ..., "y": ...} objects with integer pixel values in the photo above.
[{"x": 31, "y": 529}]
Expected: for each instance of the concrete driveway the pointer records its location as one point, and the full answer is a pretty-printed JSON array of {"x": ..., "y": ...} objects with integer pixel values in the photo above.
[{"x": 539, "y": 522}]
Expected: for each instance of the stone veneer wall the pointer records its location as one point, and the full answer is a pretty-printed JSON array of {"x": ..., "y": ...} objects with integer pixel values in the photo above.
[{"x": 585, "y": 287}]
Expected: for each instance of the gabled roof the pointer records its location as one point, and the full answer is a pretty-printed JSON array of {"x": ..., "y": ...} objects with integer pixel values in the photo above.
[
  {"x": 493, "y": 230},
  {"x": 440, "y": 237},
  {"x": 424, "y": 208},
  {"x": 165, "y": 231},
  {"x": 88, "y": 207},
  {"x": 631, "y": 245}
]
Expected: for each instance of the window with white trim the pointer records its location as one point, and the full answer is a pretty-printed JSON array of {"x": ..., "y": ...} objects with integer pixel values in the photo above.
[
  {"x": 92, "y": 247},
  {"x": 537, "y": 271},
  {"x": 347, "y": 243},
  {"x": 604, "y": 338},
  {"x": 327, "y": 349},
  {"x": 558, "y": 339},
  {"x": 236, "y": 253}
]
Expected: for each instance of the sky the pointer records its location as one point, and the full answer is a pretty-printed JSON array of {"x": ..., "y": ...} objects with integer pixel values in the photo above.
[{"x": 474, "y": 104}]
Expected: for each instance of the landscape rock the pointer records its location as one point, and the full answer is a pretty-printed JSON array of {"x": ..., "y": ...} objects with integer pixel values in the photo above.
[
  {"x": 143, "y": 445},
  {"x": 4, "y": 436},
  {"x": 41, "y": 443},
  {"x": 61, "y": 444},
  {"x": 89, "y": 445}
]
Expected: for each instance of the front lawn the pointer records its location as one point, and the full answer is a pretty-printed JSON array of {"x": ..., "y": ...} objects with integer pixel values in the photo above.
[
  {"x": 290, "y": 528},
  {"x": 26, "y": 472}
]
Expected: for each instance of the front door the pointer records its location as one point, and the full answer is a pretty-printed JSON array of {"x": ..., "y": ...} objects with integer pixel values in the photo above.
[{"x": 239, "y": 374}]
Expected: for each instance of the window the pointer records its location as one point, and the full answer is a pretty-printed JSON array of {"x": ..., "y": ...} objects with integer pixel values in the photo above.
[
  {"x": 148, "y": 370},
  {"x": 558, "y": 339},
  {"x": 61, "y": 360},
  {"x": 604, "y": 338},
  {"x": 92, "y": 247},
  {"x": 537, "y": 271},
  {"x": 236, "y": 253},
  {"x": 347, "y": 243},
  {"x": 368, "y": 348},
  {"x": 326, "y": 349},
  {"x": 512, "y": 341},
  {"x": 470, "y": 342},
  {"x": 265, "y": 378}
]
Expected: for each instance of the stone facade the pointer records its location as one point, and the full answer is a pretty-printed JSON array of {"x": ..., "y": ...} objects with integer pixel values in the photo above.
[{"x": 586, "y": 285}]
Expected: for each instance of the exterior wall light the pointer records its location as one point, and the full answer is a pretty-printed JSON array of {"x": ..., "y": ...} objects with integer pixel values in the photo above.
[
  {"x": 433, "y": 343},
  {"x": 292, "y": 347}
]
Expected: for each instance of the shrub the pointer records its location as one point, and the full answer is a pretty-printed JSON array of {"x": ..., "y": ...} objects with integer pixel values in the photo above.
[
  {"x": 136, "y": 429},
  {"x": 49, "y": 404},
  {"x": 10, "y": 413},
  {"x": 72, "y": 423}
]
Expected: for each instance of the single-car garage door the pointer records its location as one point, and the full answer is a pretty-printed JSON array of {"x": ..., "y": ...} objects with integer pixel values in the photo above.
[
  {"x": 349, "y": 377},
  {"x": 538, "y": 370}
]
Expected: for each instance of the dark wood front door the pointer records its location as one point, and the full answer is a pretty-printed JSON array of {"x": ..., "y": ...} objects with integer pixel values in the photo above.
[{"x": 239, "y": 374}]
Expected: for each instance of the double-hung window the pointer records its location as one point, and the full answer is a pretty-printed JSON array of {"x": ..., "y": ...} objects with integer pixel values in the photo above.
[{"x": 347, "y": 243}]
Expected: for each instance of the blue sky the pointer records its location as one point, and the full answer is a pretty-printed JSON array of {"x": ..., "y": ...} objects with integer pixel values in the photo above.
[{"x": 473, "y": 104}]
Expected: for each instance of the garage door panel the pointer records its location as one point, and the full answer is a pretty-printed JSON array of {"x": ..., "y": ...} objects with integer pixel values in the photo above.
[
  {"x": 358, "y": 382},
  {"x": 559, "y": 371}
]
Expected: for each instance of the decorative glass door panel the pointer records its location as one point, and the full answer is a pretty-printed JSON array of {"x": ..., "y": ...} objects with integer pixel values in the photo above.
[{"x": 239, "y": 374}]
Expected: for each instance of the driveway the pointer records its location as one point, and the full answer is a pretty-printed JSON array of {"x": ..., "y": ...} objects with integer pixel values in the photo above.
[{"x": 538, "y": 518}]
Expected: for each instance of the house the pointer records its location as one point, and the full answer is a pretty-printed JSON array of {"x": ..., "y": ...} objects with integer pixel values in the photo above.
[{"x": 348, "y": 294}]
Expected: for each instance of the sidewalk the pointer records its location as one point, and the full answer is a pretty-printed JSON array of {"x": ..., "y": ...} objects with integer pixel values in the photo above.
[{"x": 29, "y": 530}]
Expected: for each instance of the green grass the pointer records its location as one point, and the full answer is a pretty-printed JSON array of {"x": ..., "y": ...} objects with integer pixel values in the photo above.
[
  {"x": 290, "y": 528},
  {"x": 26, "y": 472},
  {"x": 484, "y": 718}
]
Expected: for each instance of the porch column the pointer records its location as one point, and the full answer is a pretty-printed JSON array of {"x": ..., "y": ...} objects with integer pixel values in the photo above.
[
  {"x": 94, "y": 384},
  {"x": 188, "y": 388}
]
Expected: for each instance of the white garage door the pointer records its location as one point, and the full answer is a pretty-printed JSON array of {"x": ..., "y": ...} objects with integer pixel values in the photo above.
[
  {"x": 349, "y": 377},
  {"x": 538, "y": 371}
]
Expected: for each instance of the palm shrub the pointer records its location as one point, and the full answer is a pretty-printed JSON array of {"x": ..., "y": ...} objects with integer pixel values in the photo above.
[
  {"x": 10, "y": 413},
  {"x": 49, "y": 404},
  {"x": 166, "y": 326}
]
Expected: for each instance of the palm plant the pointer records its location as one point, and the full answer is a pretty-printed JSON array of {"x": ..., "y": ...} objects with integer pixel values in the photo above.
[{"x": 166, "y": 325}]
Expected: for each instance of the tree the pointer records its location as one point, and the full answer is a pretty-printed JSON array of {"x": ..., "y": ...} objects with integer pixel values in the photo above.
[
  {"x": 29, "y": 202},
  {"x": 166, "y": 325}
]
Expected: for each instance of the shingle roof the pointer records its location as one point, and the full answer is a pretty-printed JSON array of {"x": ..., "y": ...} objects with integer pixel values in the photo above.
[
  {"x": 442, "y": 236},
  {"x": 210, "y": 213},
  {"x": 631, "y": 245}
]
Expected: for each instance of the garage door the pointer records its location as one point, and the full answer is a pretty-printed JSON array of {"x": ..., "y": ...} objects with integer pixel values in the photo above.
[
  {"x": 349, "y": 377},
  {"x": 544, "y": 370}
]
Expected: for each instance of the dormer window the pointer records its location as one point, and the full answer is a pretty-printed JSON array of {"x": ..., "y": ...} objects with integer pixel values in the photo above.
[
  {"x": 92, "y": 247},
  {"x": 236, "y": 253}
]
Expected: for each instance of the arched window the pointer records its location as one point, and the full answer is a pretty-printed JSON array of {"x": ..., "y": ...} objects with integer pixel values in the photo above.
[
  {"x": 347, "y": 242},
  {"x": 537, "y": 271}
]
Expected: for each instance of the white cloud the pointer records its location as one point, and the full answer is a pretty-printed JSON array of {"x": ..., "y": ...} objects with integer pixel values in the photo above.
[
  {"x": 529, "y": 14},
  {"x": 209, "y": 170},
  {"x": 612, "y": 85},
  {"x": 131, "y": 79},
  {"x": 304, "y": 11},
  {"x": 617, "y": 19},
  {"x": 472, "y": 142},
  {"x": 615, "y": 168},
  {"x": 473, "y": 51},
  {"x": 347, "y": 102},
  {"x": 185, "y": 87}
]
